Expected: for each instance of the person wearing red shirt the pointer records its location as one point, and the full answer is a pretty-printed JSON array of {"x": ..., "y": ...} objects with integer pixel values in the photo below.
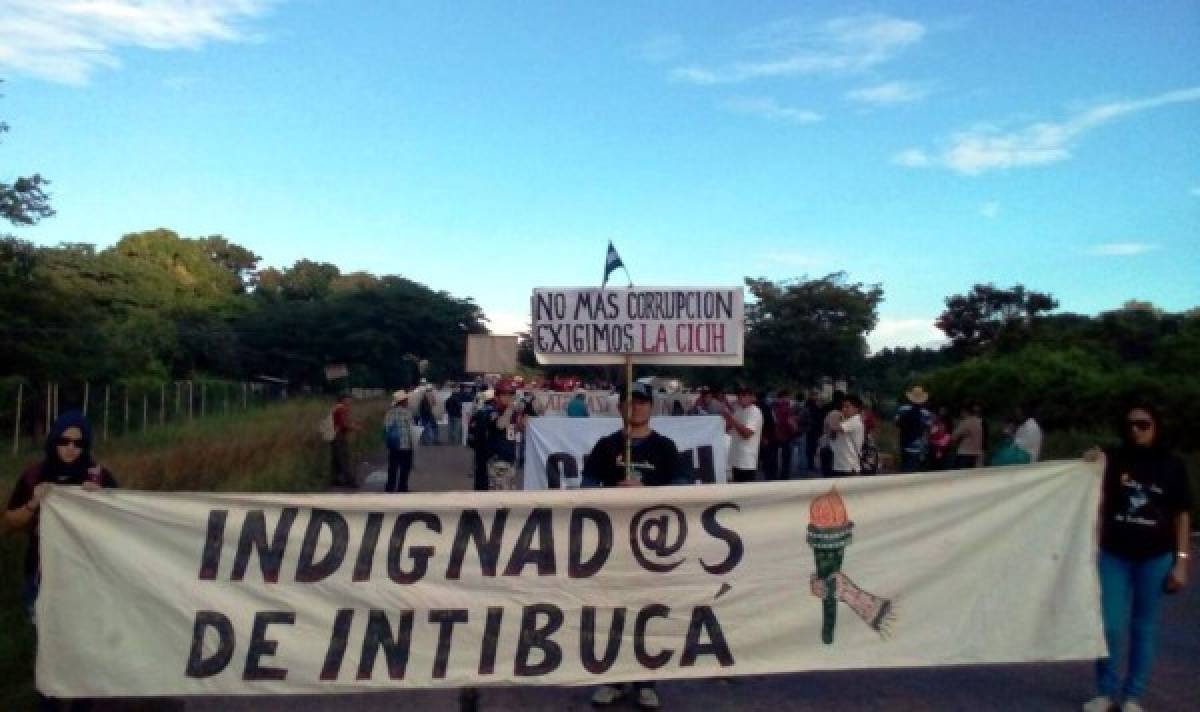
[{"x": 343, "y": 476}]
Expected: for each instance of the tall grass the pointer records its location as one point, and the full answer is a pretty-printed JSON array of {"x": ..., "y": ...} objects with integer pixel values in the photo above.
[{"x": 275, "y": 449}]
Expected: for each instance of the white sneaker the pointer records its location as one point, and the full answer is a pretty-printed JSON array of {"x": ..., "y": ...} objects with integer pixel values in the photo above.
[
  {"x": 607, "y": 694},
  {"x": 1103, "y": 703},
  {"x": 1132, "y": 705},
  {"x": 647, "y": 698}
]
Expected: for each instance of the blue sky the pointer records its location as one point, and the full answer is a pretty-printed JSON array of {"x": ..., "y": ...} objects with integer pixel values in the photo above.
[{"x": 489, "y": 148}]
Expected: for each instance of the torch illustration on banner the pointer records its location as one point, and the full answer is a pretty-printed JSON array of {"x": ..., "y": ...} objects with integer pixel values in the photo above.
[{"x": 829, "y": 533}]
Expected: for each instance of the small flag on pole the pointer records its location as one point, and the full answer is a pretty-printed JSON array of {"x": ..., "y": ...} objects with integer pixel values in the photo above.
[{"x": 611, "y": 262}]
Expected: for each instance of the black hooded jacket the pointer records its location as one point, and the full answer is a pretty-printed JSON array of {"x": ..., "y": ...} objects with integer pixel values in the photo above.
[{"x": 55, "y": 471}]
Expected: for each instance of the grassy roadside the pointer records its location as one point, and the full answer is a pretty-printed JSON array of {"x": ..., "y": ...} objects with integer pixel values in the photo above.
[{"x": 274, "y": 449}]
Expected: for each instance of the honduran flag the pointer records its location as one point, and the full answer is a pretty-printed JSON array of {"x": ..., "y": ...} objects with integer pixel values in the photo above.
[{"x": 611, "y": 261}]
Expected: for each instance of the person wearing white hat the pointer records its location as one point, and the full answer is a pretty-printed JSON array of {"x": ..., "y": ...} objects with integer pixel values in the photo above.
[
  {"x": 397, "y": 435},
  {"x": 913, "y": 421}
]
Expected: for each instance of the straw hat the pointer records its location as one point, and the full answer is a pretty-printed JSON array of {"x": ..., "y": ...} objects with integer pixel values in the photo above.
[{"x": 917, "y": 395}]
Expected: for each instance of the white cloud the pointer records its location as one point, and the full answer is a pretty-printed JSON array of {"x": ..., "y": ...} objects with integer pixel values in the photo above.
[
  {"x": 912, "y": 157},
  {"x": 989, "y": 209},
  {"x": 792, "y": 48},
  {"x": 1121, "y": 249},
  {"x": 890, "y": 93},
  {"x": 892, "y": 333},
  {"x": 986, "y": 148},
  {"x": 768, "y": 108},
  {"x": 661, "y": 48},
  {"x": 66, "y": 40}
]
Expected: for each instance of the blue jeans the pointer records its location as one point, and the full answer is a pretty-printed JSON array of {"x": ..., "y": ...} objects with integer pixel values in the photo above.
[{"x": 1130, "y": 585}]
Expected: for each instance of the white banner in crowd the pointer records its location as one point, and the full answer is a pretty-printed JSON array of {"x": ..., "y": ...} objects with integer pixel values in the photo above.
[
  {"x": 677, "y": 325},
  {"x": 599, "y": 403},
  {"x": 190, "y": 594},
  {"x": 556, "y": 447}
]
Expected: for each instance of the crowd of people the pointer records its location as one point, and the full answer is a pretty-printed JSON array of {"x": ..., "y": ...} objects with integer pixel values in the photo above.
[
  {"x": 1144, "y": 520},
  {"x": 1144, "y": 517}
]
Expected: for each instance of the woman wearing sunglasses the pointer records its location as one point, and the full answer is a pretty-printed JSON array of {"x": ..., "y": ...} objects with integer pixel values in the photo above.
[
  {"x": 68, "y": 461},
  {"x": 1144, "y": 552}
]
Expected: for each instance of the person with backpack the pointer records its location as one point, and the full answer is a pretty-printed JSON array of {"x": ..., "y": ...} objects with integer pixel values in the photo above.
[
  {"x": 495, "y": 435},
  {"x": 397, "y": 436},
  {"x": 477, "y": 438},
  {"x": 847, "y": 436},
  {"x": 454, "y": 414},
  {"x": 913, "y": 421}
]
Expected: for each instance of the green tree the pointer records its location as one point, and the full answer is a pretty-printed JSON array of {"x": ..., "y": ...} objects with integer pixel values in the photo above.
[
  {"x": 24, "y": 201},
  {"x": 800, "y": 330},
  {"x": 989, "y": 316},
  {"x": 237, "y": 260}
]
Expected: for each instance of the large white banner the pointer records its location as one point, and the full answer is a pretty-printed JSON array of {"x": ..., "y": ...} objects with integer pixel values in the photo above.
[
  {"x": 676, "y": 325},
  {"x": 556, "y": 447},
  {"x": 187, "y": 594}
]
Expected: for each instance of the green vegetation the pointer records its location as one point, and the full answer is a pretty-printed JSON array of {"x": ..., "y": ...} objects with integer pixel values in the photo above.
[{"x": 160, "y": 306}]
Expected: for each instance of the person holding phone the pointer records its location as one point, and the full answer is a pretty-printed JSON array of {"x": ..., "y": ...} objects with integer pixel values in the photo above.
[{"x": 1144, "y": 551}]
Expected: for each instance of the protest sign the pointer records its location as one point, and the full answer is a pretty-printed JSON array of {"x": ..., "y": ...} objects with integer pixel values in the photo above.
[
  {"x": 666, "y": 325},
  {"x": 489, "y": 353},
  {"x": 557, "y": 446},
  {"x": 189, "y": 594}
]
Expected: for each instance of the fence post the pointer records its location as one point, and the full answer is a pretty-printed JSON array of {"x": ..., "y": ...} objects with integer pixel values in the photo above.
[
  {"x": 162, "y": 404},
  {"x": 126, "y": 430},
  {"x": 87, "y": 387},
  {"x": 49, "y": 406},
  {"x": 106, "y": 386},
  {"x": 17, "y": 424},
  {"x": 56, "y": 388},
  {"x": 191, "y": 399},
  {"x": 244, "y": 395},
  {"x": 203, "y": 397},
  {"x": 145, "y": 411}
]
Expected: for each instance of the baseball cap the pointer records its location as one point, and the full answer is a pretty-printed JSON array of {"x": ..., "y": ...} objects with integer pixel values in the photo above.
[
  {"x": 505, "y": 386},
  {"x": 641, "y": 391}
]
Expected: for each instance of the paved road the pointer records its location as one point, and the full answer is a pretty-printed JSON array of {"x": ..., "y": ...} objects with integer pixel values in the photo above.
[{"x": 1057, "y": 686}]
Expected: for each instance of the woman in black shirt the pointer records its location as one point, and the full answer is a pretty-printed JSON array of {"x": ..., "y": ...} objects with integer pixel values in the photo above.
[{"x": 1144, "y": 529}]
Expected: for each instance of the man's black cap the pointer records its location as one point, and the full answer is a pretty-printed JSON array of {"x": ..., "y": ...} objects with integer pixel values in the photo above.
[{"x": 640, "y": 391}]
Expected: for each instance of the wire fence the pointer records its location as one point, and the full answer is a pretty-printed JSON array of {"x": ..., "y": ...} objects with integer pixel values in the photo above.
[{"x": 123, "y": 407}]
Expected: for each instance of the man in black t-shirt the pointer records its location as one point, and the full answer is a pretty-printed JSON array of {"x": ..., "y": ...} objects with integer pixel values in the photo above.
[
  {"x": 655, "y": 457},
  {"x": 655, "y": 462}
]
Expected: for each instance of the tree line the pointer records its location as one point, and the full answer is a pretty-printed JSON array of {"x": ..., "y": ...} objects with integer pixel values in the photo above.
[{"x": 163, "y": 307}]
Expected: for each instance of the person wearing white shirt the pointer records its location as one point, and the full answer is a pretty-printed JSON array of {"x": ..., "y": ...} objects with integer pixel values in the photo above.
[
  {"x": 846, "y": 440},
  {"x": 745, "y": 426},
  {"x": 1029, "y": 434}
]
